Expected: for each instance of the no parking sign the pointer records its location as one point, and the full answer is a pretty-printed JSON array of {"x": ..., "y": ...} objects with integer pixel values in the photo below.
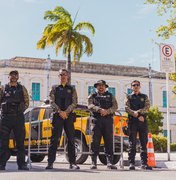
[
  {"x": 167, "y": 66},
  {"x": 167, "y": 58}
]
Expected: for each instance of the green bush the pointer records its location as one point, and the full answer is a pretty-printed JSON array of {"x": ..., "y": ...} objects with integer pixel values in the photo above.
[
  {"x": 173, "y": 147},
  {"x": 160, "y": 143},
  {"x": 155, "y": 120}
]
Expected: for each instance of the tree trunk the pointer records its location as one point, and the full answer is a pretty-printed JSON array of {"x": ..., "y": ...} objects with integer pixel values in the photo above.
[{"x": 68, "y": 67}]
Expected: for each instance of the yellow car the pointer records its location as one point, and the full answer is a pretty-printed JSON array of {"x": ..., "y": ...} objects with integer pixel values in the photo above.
[{"x": 41, "y": 132}]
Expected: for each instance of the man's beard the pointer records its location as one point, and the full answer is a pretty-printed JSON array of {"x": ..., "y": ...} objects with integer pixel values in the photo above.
[{"x": 13, "y": 80}]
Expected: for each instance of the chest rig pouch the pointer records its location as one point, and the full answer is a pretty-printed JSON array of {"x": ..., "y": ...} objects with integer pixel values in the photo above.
[
  {"x": 103, "y": 101},
  {"x": 13, "y": 100},
  {"x": 136, "y": 103},
  {"x": 63, "y": 96}
]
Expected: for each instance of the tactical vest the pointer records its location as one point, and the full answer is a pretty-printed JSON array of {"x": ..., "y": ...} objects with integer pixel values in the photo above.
[
  {"x": 103, "y": 101},
  {"x": 136, "y": 102},
  {"x": 12, "y": 99},
  {"x": 63, "y": 96}
]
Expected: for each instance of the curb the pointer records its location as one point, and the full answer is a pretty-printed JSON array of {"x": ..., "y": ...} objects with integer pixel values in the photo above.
[{"x": 159, "y": 164}]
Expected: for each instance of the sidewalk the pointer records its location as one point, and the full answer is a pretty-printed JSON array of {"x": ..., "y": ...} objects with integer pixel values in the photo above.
[{"x": 161, "y": 160}]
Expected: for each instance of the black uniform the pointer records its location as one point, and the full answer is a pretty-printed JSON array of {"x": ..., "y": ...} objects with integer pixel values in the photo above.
[
  {"x": 13, "y": 100},
  {"x": 63, "y": 98},
  {"x": 102, "y": 125},
  {"x": 141, "y": 104}
]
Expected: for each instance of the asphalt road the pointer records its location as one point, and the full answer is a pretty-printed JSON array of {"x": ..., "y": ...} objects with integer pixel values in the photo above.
[{"x": 62, "y": 172}]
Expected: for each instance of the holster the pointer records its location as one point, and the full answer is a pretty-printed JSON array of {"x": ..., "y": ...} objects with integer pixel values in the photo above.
[
  {"x": 4, "y": 108},
  {"x": 93, "y": 120}
]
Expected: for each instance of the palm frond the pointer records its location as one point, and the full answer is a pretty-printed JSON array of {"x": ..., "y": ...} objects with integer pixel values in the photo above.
[
  {"x": 61, "y": 25},
  {"x": 51, "y": 16},
  {"x": 85, "y": 26},
  {"x": 63, "y": 14},
  {"x": 41, "y": 44},
  {"x": 88, "y": 46},
  {"x": 47, "y": 29}
]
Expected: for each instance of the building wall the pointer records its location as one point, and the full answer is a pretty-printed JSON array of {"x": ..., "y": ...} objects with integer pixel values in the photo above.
[{"x": 83, "y": 80}]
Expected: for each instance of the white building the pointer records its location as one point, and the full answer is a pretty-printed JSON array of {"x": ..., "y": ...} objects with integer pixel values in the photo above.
[{"x": 38, "y": 75}]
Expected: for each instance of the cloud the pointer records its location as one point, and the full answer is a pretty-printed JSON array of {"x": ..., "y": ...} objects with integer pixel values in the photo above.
[
  {"x": 144, "y": 10},
  {"x": 142, "y": 59},
  {"x": 130, "y": 61}
]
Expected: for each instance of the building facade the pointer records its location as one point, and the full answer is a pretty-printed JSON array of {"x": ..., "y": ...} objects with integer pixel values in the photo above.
[{"x": 38, "y": 75}]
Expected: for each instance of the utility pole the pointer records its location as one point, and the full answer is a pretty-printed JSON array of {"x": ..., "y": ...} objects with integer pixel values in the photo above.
[
  {"x": 48, "y": 75},
  {"x": 150, "y": 85}
]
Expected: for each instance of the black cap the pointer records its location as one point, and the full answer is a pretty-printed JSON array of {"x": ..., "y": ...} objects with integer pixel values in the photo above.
[
  {"x": 14, "y": 72},
  {"x": 100, "y": 82}
]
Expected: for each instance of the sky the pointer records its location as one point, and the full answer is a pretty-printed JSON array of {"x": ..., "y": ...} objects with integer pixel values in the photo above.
[{"x": 125, "y": 30}]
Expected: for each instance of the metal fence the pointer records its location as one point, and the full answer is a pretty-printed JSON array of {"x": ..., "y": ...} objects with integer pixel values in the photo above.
[{"x": 39, "y": 149}]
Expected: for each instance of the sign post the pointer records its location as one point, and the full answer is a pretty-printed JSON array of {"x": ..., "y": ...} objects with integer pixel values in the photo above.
[{"x": 168, "y": 66}]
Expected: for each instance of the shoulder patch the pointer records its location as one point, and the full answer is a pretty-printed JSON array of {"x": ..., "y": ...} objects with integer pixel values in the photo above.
[
  {"x": 144, "y": 96},
  {"x": 69, "y": 90},
  {"x": 142, "y": 99}
]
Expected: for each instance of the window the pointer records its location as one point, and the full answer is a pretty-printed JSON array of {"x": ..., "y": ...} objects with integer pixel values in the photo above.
[
  {"x": 112, "y": 90},
  {"x": 164, "y": 99},
  {"x": 47, "y": 113},
  {"x": 34, "y": 115},
  {"x": 91, "y": 89},
  {"x": 129, "y": 91},
  {"x": 36, "y": 91}
]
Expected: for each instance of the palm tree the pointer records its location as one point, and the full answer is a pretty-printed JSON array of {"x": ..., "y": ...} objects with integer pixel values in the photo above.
[{"x": 66, "y": 36}]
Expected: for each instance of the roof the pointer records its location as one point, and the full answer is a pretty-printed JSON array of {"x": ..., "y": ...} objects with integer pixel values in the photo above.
[{"x": 81, "y": 67}]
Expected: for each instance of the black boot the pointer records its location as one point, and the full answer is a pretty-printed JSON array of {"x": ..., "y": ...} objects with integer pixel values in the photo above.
[
  {"x": 23, "y": 167},
  {"x": 132, "y": 166},
  {"x": 110, "y": 162},
  {"x": 94, "y": 162},
  {"x": 146, "y": 167},
  {"x": 49, "y": 166},
  {"x": 73, "y": 166}
]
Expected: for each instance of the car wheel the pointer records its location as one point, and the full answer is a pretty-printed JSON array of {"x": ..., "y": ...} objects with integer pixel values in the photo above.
[
  {"x": 37, "y": 157},
  {"x": 103, "y": 160},
  {"x": 80, "y": 158},
  {"x": 9, "y": 155}
]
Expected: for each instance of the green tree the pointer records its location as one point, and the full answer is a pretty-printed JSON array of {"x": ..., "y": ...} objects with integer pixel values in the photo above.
[
  {"x": 66, "y": 36},
  {"x": 166, "y": 7},
  {"x": 168, "y": 30},
  {"x": 154, "y": 120},
  {"x": 172, "y": 77}
]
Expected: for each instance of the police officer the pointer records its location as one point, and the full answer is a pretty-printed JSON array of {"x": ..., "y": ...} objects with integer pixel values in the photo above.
[
  {"x": 137, "y": 105},
  {"x": 63, "y": 100},
  {"x": 102, "y": 105},
  {"x": 14, "y": 100}
]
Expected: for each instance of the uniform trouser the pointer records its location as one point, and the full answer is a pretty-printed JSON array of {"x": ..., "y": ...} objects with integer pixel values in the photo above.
[
  {"x": 15, "y": 123},
  {"x": 58, "y": 125},
  {"x": 102, "y": 126},
  {"x": 142, "y": 130}
]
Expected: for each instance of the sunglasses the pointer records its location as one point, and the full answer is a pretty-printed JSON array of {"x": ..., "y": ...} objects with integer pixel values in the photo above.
[
  {"x": 13, "y": 75},
  {"x": 62, "y": 74},
  {"x": 135, "y": 85}
]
